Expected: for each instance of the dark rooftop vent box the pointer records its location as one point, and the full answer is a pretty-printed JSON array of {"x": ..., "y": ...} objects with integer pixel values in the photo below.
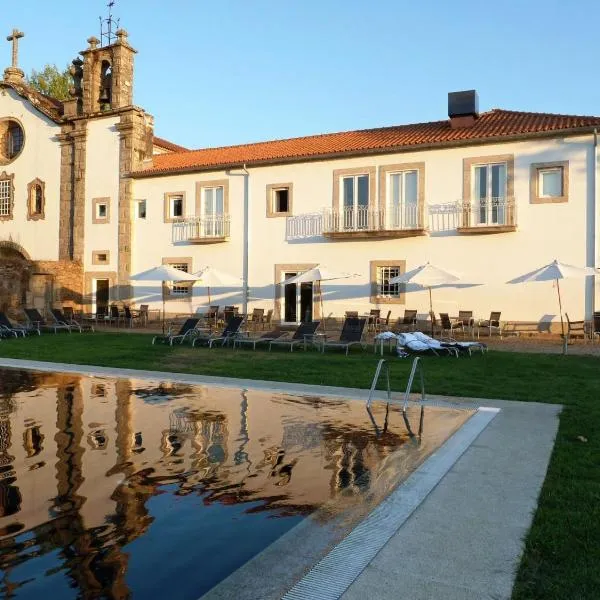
[{"x": 463, "y": 104}]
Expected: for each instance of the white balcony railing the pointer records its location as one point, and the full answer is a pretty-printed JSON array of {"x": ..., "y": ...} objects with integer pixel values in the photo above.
[
  {"x": 365, "y": 219},
  {"x": 487, "y": 212},
  {"x": 198, "y": 229}
]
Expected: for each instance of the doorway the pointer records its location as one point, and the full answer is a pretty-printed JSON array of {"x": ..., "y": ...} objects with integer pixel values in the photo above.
[
  {"x": 297, "y": 300},
  {"x": 101, "y": 296}
]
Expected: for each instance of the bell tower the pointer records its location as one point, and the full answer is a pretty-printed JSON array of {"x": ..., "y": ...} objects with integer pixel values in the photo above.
[{"x": 107, "y": 82}]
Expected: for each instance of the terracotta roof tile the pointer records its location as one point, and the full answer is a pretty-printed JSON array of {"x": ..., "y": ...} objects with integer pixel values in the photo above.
[
  {"x": 495, "y": 124},
  {"x": 162, "y": 143}
]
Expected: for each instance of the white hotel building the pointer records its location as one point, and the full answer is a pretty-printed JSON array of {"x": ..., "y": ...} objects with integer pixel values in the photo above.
[{"x": 88, "y": 197}]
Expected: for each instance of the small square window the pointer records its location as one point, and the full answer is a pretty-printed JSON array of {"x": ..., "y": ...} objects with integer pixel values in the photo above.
[
  {"x": 551, "y": 183},
  {"x": 176, "y": 206},
  {"x": 102, "y": 257},
  {"x": 141, "y": 209},
  {"x": 281, "y": 201},
  {"x": 385, "y": 289},
  {"x": 181, "y": 288},
  {"x": 101, "y": 210}
]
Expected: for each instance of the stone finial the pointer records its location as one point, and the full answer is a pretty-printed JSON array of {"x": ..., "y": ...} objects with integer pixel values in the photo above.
[
  {"x": 121, "y": 36},
  {"x": 93, "y": 42}
]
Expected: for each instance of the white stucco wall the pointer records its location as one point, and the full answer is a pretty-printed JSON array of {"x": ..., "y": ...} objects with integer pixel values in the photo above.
[
  {"x": 544, "y": 232},
  {"x": 40, "y": 158},
  {"x": 102, "y": 181}
]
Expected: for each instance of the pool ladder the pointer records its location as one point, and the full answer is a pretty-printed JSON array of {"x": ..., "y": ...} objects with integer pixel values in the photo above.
[{"x": 383, "y": 365}]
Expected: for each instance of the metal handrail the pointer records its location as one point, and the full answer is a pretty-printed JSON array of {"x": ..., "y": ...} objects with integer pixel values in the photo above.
[
  {"x": 380, "y": 364},
  {"x": 416, "y": 363},
  {"x": 383, "y": 363}
]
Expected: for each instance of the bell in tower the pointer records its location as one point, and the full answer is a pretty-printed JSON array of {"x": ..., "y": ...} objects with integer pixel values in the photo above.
[{"x": 105, "y": 98}]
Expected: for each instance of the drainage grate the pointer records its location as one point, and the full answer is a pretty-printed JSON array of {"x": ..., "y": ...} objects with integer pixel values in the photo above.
[{"x": 334, "y": 574}]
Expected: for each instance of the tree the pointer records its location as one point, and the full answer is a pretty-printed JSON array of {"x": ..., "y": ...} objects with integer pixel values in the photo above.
[{"x": 51, "y": 81}]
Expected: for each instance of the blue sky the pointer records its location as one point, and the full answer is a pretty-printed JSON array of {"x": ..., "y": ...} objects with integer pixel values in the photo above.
[{"x": 223, "y": 72}]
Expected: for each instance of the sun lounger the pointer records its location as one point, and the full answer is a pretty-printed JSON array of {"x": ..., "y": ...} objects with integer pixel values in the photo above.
[
  {"x": 38, "y": 322},
  {"x": 409, "y": 343},
  {"x": 268, "y": 336},
  {"x": 61, "y": 319},
  {"x": 13, "y": 330},
  {"x": 230, "y": 332},
  {"x": 451, "y": 343},
  {"x": 186, "y": 331},
  {"x": 301, "y": 335},
  {"x": 352, "y": 332}
]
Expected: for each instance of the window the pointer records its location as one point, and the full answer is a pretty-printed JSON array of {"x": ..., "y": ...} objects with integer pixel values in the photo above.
[
  {"x": 279, "y": 199},
  {"x": 101, "y": 210},
  {"x": 212, "y": 211},
  {"x": 174, "y": 206},
  {"x": 549, "y": 182},
  {"x": 180, "y": 289},
  {"x": 35, "y": 200},
  {"x": 490, "y": 194},
  {"x": 403, "y": 206},
  {"x": 385, "y": 289},
  {"x": 140, "y": 212},
  {"x": 488, "y": 204},
  {"x": 100, "y": 257},
  {"x": 6, "y": 196},
  {"x": 382, "y": 291},
  {"x": 355, "y": 201},
  {"x": 12, "y": 139}
]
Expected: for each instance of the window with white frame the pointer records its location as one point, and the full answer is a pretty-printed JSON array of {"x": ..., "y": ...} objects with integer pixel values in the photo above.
[
  {"x": 6, "y": 199},
  {"x": 550, "y": 182},
  {"x": 180, "y": 288},
  {"x": 385, "y": 289},
  {"x": 403, "y": 200},
  {"x": 175, "y": 206},
  {"x": 101, "y": 210},
  {"x": 213, "y": 209},
  {"x": 140, "y": 209},
  {"x": 489, "y": 193},
  {"x": 355, "y": 201}
]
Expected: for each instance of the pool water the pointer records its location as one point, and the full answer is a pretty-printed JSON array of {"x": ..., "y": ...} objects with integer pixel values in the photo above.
[{"x": 119, "y": 488}]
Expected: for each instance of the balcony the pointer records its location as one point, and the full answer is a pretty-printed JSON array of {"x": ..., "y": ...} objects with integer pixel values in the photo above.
[
  {"x": 488, "y": 215},
  {"x": 395, "y": 221},
  {"x": 209, "y": 229}
]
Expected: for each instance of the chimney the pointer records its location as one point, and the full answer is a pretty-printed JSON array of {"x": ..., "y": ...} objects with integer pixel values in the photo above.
[{"x": 463, "y": 108}]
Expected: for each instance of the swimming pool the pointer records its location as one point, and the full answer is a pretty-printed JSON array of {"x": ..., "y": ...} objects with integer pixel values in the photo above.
[{"x": 130, "y": 487}]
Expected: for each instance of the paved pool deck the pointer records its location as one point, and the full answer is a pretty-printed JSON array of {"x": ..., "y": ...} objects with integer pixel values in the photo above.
[{"x": 464, "y": 539}]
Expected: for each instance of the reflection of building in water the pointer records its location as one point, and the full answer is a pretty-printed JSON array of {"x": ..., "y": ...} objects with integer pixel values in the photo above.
[{"x": 94, "y": 453}]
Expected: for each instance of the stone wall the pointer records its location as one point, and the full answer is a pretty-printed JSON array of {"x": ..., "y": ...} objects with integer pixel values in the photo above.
[{"x": 67, "y": 279}]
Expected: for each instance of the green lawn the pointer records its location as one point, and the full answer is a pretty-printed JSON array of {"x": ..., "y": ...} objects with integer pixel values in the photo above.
[{"x": 562, "y": 556}]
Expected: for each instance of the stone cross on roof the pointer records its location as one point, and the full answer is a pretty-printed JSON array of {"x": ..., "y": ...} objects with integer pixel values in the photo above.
[{"x": 14, "y": 38}]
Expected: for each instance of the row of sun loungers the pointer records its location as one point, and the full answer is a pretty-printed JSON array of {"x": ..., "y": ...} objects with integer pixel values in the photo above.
[{"x": 36, "y": 324}]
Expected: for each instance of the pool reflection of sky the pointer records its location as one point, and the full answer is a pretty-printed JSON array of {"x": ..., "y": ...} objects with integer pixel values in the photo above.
[{"x": 113, "y": 488}]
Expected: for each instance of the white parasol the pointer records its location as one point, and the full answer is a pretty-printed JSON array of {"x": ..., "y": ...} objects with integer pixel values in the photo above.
[{"x": 163, "y": 273}]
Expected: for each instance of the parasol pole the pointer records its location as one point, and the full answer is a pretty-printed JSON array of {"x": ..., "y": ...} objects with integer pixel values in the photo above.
[
  {"x": 208, "y": 286},
  {"x": 431, "y": 315},
  {"x": 322, "y": 311},
  {"x": 162, "y": 285},
  {"x": 562, "y": 323}
]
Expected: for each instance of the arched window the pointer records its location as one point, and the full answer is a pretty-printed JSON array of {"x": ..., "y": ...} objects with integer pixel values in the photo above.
[
  {"x": 36, "y": 200},
  {"x": 12, "y": 139}
]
